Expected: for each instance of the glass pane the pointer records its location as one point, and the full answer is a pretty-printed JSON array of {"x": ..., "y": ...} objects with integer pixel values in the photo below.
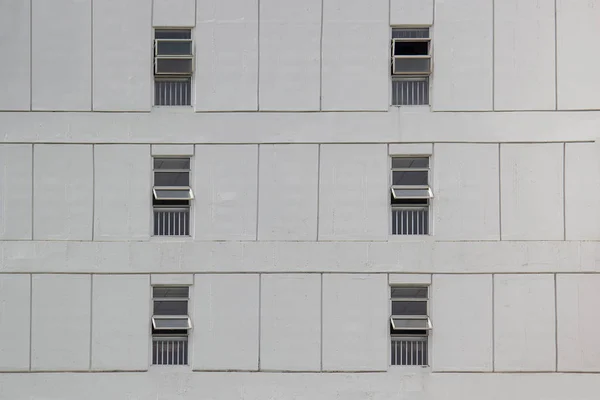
[
  {"x": 174, "y": 48},
  {"x": 410, "y": 162},
  {"x": 412, "y": 292},
  {"x": 409, "y": 307},
  {"x": 171, "y": 163},
  {"x": 410, "y": 65},
  {"x": 411, "y": 48},
  {"x": 411, "y": 193},
  {"x": 171, "y": 292},
  {"x": 170, "y": 307},
  {"x": 172, "y": 323},
  {"x": 411, "y": 33},
  {"x": 166, "y": 194},
  {"x": 174, "y": 65},
  {"x": 173, "y": 34},
  {"x": 400, "y": 323},
  {"x": 171, "y": 179},
  {"x": 410, "y": 178}
]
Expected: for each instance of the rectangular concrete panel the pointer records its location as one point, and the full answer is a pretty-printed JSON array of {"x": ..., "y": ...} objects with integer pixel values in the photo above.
[
  {"x": 174, "y": 13},
  {"x": 582, "y": 191},
  {"x": 354, "y": 192},
  {"x": 288, "y": 190},
  {"x": 290, "y": 55},
  {"x": 524, "y": 323},
  {"x": 123, "y": 55},
  {"x": 578, "y": 329},
  {"x": 411, "y": 12},
  {"x": 226, "y": 322},
  {"x": 226, "y": 36},
  {"x": 120, "y": 322},
  {"x": 60, "y": 322},
  {"x": 14, "y": 322},
  {"x": 61, "y": 55},
  {"x": 16, "y": 180},
  {"x": 463, "y": 56},
  {"x": 15, "y": 26},
  {"x": 524, "y": 61},
  {"x": 226, "y": 192},
  {"x": 531, "y": 179},
  {"x": 356, "y": 55},
  {"x": 461, "y": 314},
  {"x": 63, "y": 192},
  {"x": 467, "y": 183},
  {"x": 290, "y": 319},
  {"x": 576, "y": 28},
  {"x": 355, "y": 322},
  {"x": 122, "y": 204}
]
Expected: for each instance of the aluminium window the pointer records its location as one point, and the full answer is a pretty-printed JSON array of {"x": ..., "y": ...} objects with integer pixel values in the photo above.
[
  {"x": 409, "y": 325},
  {"x": 173, "y": 67},
  {"x": 410, "y": 195},
  {"x": 411, "y": 66},
  {"x": 170, "y": 325},
  {"x": 171, "y": 196}
]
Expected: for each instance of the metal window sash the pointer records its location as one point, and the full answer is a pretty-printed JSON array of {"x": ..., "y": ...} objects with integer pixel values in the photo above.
[
  {"x": 185, "y": 73},
  {"x": 399, "y": 187},
  {"x": 403, "y": 78},
  {"x": 171, "y": 189},
  {"x": 170, "y": 170},
  {"x": 427, "y": 39},
  {"x": 156, "y": 41},
  {"x": 170, "y": 298},
  {"x": 415, "y": 317},
  {"x": 410, "y": 298},
  {"x": 421, "y": 73},
  {"x": 154, "y": 317},
  {"x": 405, "y": 169}
]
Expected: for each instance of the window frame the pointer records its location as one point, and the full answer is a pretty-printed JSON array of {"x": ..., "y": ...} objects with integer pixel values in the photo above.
[
  {"x": 186, "y": 78},
  {"x": 154, "y": 317}
]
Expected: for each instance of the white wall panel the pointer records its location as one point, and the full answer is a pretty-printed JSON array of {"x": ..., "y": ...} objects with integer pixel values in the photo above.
[
  {"x": 290, "y": 55},
  {"x": 355, "y": 322},
  {"x": 532, "y": 191},
  {"x": 120, "y": 322},
  {"x": 290, "y": 318},
  {"x": 524, "y": 323},
  {"x": 582, "y": 191},
  {"x": 15, "y": 29},
  {"x": 122, "y": 178},
  {"x": 463, "y": 55},
  {"x": 16, "y": 176},
  {"x": 61, "y": 55},
  {"x": 411, "y": 12},
  {"x": 466, "y": 189},
  {"x": 63, "y": 192},
  {"x": 226, "y": 192},
  {"x": 524, "y": 70},
  {"x": 14, "y": 322},
  {"x": 122, "y": 55},
  {"x": 288, "y": 186},
  {"x": 577, "y": 67},
  {"x": 173, "y": 13},
  {"x": 356, "y": 55},
  {"x": 461, "y": 314},
  {"x": 60, "y": 322},
  {"x": 354, "y": 192},
  {"x": 577, "y": 298},
  {"x": 226, "y": 38},
  {"x": 226, "y": 320}
]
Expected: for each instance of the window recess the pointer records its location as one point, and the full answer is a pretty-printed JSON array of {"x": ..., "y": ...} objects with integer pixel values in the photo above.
[
  {"x": 409, "y": 325},
  {"x": 171, "y": 196},
  {"x": 170, "y": 325},
  {"x": 173, "y": 67},
  {"x": 410, "y": 66}
]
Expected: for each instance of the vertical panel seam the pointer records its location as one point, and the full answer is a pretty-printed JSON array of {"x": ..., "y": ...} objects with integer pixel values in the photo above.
[
  {"x": 564, "y": 185},
  {"x": 318, "y": 188},
  {"x": 321, "y": 60},
  {"x": 321, "y": 327},
  {"x": 493, "y": 55},
  {"x": 555, "y": 57},
  {"x": 259, "y": 315},
  {"x": 32, "y": 188},
  {"x": 555, "y": 326},
  {"x": 31, "y": 56},
  {"x": 493, "y": 323},
  {"x": 258, "y": 146},
  {"x": 499, "y": 191},
  {"x": 92, "y": 55},
  {"x": 30, "y": 318},
  {"x": 91, "y": 317},
  {"x": 93, "y": 189},
  {"x": 258, "y": 57}
]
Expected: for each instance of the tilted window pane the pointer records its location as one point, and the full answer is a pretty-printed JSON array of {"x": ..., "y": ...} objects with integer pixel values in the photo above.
[
  {"x": 171, "y": 323},
  {"x": 410, "y": 162},
  {"x": 173, "y": 34},
  {"x": 411, "y": 193},
  {"x": 171, "y": 292},
  {"x": 174, "y": 65},
  {"x": 172, "y": 179},
  {"x": 173, "y": 47},
  {"x": 171, "y": 163},
  {"x": 411, "y": 65},
  {"x": 409, "y": 292},
  {"x": 410, "y": 324},
  {"x": 170, "y": 307},
  {"x": 410, "y": 178},
  {"x": 165, "y": 194},
  {"x": 409, "y": 307}
]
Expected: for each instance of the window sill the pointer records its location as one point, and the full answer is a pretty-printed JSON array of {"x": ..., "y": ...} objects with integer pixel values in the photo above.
[
  {"x": 420, "y": 109},
  {"x": 171, "y": 238},
  {"x": 411, "y": 238}
]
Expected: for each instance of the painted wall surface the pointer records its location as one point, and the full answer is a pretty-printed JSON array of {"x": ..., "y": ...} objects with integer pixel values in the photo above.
[
  {"x": 122, "y": 68},
  {"x": 524, "y": 55},
  {"x": 16, "y": 191},
  {"x": 355, "y": 322},
  {"x": 120, "y": 322},
  {"x": 467, "y": 192},
  {"x": 60, "y": 322},
  {"x": 122, "y": 192},
  {"x": 532, "y": 199},
  {"x": 290, "y": 318},
  {"x": 524, "y": 323},
  {"x": 463, "y": 56},
  {"x": 61, "y": 55},
  {"x": 353, "y": 187},
  {"x": 15, "y": 307},
  {"x": 227, "y": 78},
  {"x": 15, "y": 36},
  {"x": 174, "y": 13},
  {"x": 411, "y": 12},
  {"x": 462, "y": 313},
  {"x": 63, "y": 192},
  {"x": 288, "y": 185},
  {"x": 225, "y": 179},
  {"x": 223, "y": 306}
]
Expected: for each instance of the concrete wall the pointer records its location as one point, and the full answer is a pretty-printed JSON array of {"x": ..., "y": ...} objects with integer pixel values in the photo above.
[
  {"x": 16, "y": 191},
  {"x": 15, "y": 308},
  {"x": 174, "y": 13},
  {"x": 411, "y": 12},
  {"x": 15, "y": 73}
]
